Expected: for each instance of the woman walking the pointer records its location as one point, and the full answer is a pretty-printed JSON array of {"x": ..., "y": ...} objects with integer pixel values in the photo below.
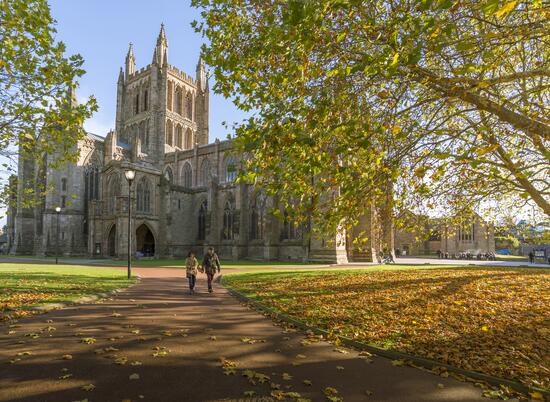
[{"x": 192, "y": 270}]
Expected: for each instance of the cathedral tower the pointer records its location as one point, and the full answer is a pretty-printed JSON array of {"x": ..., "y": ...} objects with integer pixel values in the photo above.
[{"x": 161, "y": 105}]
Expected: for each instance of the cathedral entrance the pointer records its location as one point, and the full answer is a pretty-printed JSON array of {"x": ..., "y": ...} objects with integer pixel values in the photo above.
[
  {"x": 111, "y": 242},
  {"x": 145, "y": 241}
]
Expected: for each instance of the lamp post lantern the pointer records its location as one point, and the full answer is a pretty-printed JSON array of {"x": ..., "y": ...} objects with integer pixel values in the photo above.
[
  {"x": 57, "y": 212},
  {"x": 130, "y": 175}
]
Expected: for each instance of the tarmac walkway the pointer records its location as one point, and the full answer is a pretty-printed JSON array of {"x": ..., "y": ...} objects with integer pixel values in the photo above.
[{"x": 155, "y": 342}]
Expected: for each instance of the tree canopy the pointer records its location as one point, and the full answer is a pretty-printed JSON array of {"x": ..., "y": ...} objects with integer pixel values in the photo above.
[
  {"x": 447, "y": 100},
  {"x": 38, "y": 113}
]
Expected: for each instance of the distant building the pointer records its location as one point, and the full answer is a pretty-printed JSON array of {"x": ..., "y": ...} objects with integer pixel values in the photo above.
[{"x": 473, "y": 235}]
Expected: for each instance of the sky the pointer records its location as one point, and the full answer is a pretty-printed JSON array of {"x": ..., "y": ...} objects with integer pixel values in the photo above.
[{"x": 100, "y": 31}]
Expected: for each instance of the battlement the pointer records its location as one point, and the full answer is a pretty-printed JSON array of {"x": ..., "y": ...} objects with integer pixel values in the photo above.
[{"x": 182, "y": 75}]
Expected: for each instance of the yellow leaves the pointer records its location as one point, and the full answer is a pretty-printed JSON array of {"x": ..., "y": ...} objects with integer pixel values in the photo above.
[
  {"x": 213, "y": 337},
  {"x": 300, "y": 356},
  {"x": 307, "y": 382},
  {"x": 398, "y": 362},
  {"x": 252, "y": 341},
  {"x": 340, "y": 350},
  {"x": 286, "y": 377},
  {"x": 134, "y": 376},
  {"x": 229, "y": 367},
  {"x": 67, "y": 357},
  {"x": 166, "y": 333},
  {"x": 484, "y": 328},
  {"x": 332, "y": 394},
  {"x": 121, "y": 360},
  {"x": 160, "y": 351},
  {"x": 89, "y": 341},
  {"x": 65, "y": 376},
  {"x": 536, "y": 396},
  {"x": 487, "y": 149},
  {"x": 340, "y": 368},
  {"x": 396, "y": 130},
  {"x": 506, "y": 9},
  {"x": 249, "y": 393},
  {"x": 116, "y": 315},
  {"x": 444, "y": 303},
  {"x": 89, "y": 387}
]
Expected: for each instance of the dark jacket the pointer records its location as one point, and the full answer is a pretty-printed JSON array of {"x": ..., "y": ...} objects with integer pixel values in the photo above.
[{"x": 211, "y": 263}]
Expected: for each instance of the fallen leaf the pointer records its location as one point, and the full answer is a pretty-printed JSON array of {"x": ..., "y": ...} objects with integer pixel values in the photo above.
[
  {"x": 89, "y": 387},
  {"x": 134, "y": 376},
  {"x": 67, "y": 357}
]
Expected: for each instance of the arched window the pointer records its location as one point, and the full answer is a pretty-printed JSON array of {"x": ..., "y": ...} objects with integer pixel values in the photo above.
[
  {"x": 114, "y": 192},
  {"x": 145, "y": 100},
  {"x": 91, "y": 183},
  {"x": 188, "y": 139},
  {"x": 179, "y": 136},
  {"x": 257, "y": 217},
  {"x": 230, "y": 170},
  {"x": 187, "y": 175},
  {"x": 143, "y": 196},
  {"x": 168, "y": 175},
  {"x": 205, "y": 172},
  {"x": 179, "y": 101},
  {"x": 189, "y": 106},
  {"x": 228, "y": 219},
  {"x": 291, "y": 231},
  {"x": 203, "y": 210},
  {"x": 136, "y": 107},
  {"x": 169, "y": 132},
  {"x": 169, "y": 95}
]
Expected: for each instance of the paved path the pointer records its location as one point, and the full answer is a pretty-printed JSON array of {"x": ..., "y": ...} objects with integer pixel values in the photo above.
[{"x": 202, "y": 328}]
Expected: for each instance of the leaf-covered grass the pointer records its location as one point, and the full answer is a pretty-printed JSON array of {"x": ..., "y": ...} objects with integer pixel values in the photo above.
[
  {"x": 26, "y": 285},
  {"x": 518, "y": 258},
  {"x": 489, "y": 319}
]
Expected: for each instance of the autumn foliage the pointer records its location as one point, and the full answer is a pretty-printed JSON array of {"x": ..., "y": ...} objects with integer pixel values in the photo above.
[{"x": 490, "y": 320}]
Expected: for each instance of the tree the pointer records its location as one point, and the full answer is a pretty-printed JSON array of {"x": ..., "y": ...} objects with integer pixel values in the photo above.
[
  {"x": 447, "y": 100},
  {"x": 38, "y": 114}
]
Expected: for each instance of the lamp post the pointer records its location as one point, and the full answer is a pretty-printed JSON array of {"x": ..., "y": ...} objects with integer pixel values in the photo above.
[
  {"x": 130, "y": 175},
  {"x": 57, "y": 211}
]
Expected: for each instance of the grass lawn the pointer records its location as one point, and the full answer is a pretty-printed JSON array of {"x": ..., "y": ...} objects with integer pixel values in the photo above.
[
  {"x": 503, "y": 257},
  {"x": 27, "y": 285},
  {"x": 488, "y": 319},
  {"x": 179, "y": 263}
]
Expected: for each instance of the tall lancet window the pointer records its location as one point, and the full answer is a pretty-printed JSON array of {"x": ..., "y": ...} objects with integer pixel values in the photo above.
[
  {"x": 143, "y": 196},
  {"x": 189, "y": 106}
]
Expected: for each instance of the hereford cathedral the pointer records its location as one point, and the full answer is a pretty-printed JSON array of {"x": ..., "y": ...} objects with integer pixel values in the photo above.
[{"x": 184, "y": 196}]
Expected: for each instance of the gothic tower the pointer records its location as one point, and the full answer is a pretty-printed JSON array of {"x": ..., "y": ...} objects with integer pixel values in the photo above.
[{"x": 164, "y": 107}]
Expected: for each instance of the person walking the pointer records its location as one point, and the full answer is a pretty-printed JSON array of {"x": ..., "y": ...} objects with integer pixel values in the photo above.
[
  {"x": 531, "y": 257},
  {"x": 191, "y": 267},
  {"x": 211, "y": 264}
]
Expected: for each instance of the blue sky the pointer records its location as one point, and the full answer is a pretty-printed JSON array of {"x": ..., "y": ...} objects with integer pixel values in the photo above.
[{"x": 101, "y": 30}]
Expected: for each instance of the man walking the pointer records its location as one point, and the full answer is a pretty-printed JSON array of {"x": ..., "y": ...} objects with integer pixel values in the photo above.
[{"x": 211, "y": 264}]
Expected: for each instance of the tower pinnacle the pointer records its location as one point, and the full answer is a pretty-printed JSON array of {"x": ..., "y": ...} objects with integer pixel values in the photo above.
[
  {"x": 160, "y": 55},
  {"x": 130, "y": 61}
]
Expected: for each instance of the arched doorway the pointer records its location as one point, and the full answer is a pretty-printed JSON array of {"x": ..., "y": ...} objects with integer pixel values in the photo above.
[
  {"x": 111, "y": 242},
  {"x": 145, "y": 241}
]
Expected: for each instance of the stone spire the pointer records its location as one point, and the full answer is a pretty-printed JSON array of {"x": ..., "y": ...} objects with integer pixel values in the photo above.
[
  {"x": 160, "y": 55},
  {"x": 130, "y": 61}
]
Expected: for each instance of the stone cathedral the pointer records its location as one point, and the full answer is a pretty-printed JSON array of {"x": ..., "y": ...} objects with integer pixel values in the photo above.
[{"x": 184, "y": 195}]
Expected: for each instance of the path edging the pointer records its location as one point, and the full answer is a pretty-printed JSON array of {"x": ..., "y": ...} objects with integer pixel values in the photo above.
[{"x": 394, "y": 355}]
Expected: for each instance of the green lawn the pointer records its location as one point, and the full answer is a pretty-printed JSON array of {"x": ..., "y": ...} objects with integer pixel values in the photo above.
[
  {"x": 27, "y": 285},
  {"x": 179, "y": 263},
  {"x": 494, "y": 320},
  {"x": 502, "y": 257}
]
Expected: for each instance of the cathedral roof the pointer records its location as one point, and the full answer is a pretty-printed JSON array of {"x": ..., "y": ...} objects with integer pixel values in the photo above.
[{"x": 94, "y": 137}]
